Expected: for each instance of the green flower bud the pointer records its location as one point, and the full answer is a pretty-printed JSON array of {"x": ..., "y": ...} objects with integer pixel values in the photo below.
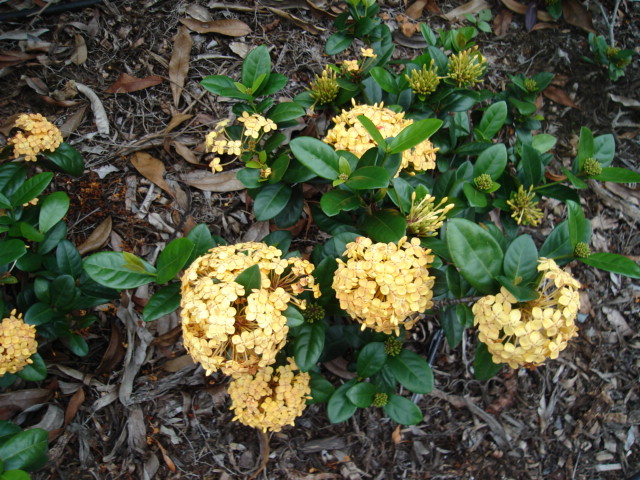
[
  {"x": 530, "y": 85},
  {"x": 467, "y": 67},
  {"x": 483, "y": 182},
  {"x": 380, "y": 399},
  {"x": 582, "y": 250},
  {"x": 592, "y": 167},
  {"x": 611, "y": 52},
  {"x": 425, "y": 81},
  {"x": 313, "y": 312},
  {"x": 324, "y": 89},
  {"x": 393, "y": 346}
]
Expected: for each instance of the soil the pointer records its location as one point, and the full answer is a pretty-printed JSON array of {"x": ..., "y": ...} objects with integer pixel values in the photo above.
[{"x": 137, "y": 408}]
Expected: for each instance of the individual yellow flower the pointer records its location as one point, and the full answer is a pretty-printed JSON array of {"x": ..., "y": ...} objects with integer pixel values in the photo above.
[
  {"x": 17, "y": 343},
  {"x": 226, "y": 328},
  {"x": 467, "y": 67},
  {"x": 524, "y": 209},
  {"x": 382, "y": 285},
  {"x": 215, "y": 165},
  {"x": 324, "y": 89},
  {"x": 425, "y": 217},
  {"x": 351, "y": 66},
  {"x": 526, "y": 334},
  {"x": 349, "y": 134},
  {"x": 270, "y": 399},
  {"x": 367, "y": 52},
  {"x": 38, "y": 135}
]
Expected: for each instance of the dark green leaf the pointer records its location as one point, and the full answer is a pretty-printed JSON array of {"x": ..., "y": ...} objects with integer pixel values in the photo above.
[
  {"x": 27, "y": 231},
  {"x": 78, "y": 345},
  {"x": 53, "y": 237},
  {"x": 321, "y": 389},
  {"x": 612, "y": 262},
  {"x": 371, "y": 359},
  {"x": 163, "y": 302},
  {"x": 475, "y": 252},
  {"x": 532, "y": 167},
  {"x": 53, "y": 209},
  {"x": 574, "y": 179},
  {"x": 336, "y": 201},
  {"x": 281, "y": 239},
  {"x": 224, "y": 86},
  {"x": 62, "y": 291},
  {"x": 402, "y": 410},
  {"x": 31, "y": 188},
  {"x": 414, "y": 134},
  {"x": 7, "y": 430},
  {"x": 285, "y": 112},
  {"x": 365, "y": 178},
  {"x": 308, "y": 345},
  {"x": 317, "y": 156},
  {"x": 604, "y": 149},
  {"x": 376, "y": 136},
  {"x": 173, "y": 258},
  {"x": 274, "y": 83},
  {"x": 585, "y": 147},
  {"x": 521, "y": 260},
  {"x": 337, "y": 43},
  {"x": 618, "y": 175},
  {"x": 11, "y": 250},
  {"x": 271, "y": 200},
  {"x": 543, "y": 142},
  {"x": 412, "y": 371},
  {"x": 34, "y": 372},
  {"x": 385, "y": 226},
  {"x": 68, "y": 259},
  {"x": 493, "y": 119},
  {"x": 15, "y": 475},
  {"x": 294, "y": 317},
  {"x": 39, "y": 314},
  {"x": 483, "y": 366},
  {"x": 385, "y": 79},
  {"x": 522, "y": 293},
  {"x": 339, "y": 407},
  {"x": 361, "y": 394},
  {"x": 576, "y": 222},
  {"x": 558, "y": 243},
  {"x": 452, "y": 326},
  {"x": 202, "y": 241},
  {"x": 67, "y": 159},
  {"x": 26, "y": 450},
  {"x": 492, "y": 161},
  {"x": 112, "y": 270},
  {"x": 250, "y": 279},
  {"x": 475, "y": 198}
]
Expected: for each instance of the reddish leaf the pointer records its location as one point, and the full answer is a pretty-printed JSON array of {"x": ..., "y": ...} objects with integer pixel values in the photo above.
[
  {"x": 575, "y": 14},
  {"x": 559, "y": 96},
  {"x": 127, "y": 84},
  {"x": 229, "y": 27}
]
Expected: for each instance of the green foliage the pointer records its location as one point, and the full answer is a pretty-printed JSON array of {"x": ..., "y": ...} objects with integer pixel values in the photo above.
[
  {"x": 608, "y": 56},
  {"x": 21, "y": 451}
]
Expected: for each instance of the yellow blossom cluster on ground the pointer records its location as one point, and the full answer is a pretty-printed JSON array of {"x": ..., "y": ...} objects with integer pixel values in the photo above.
[
  {"x": 17, "y": 344},
  {"x": 228, "y": 329},
  {"x": 270, "y": 399},
  {"x": 38, "y": 135},
  {"x": 527, "y": 334},
  {"x": 382, "y": 284},
  {"x": 349, "y": 134}
]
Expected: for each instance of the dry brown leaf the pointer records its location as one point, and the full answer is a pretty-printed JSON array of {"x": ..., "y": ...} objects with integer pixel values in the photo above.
[
  {"x": 229, "y": 27},
  {"x": 220, "y": 182},
  {"x": 152, "y": 169},
  {"x": 114, "y": 353},
  {"x": 415, "y": 9},
  {"x": 167, "y": 459},
  {"x": 79, "y": 56},
  {"x": 396, "y": 436},
  {"x": 618, "y": 321},
  {"x": 100, "y": 114},
  {"x": 168, "y": 339},
  {"x": 14, "y": 402},
  {"x": 185, "y": 152},
  {"x": 628, "y": 102},
  {"x": 8, "y": 58},
  {"x": 77, "y": 399},
  {"x": 73, "y": 122},
  {"x": 502, "y": 22},
  {"x": 176, "y": 120},
  {"x": 518, "y": 7},
  {"x": 9, "y": 124},
  {"x": 176, "y": 364},
  {"x": 558, "y": 95},
  {"x": 309, "y": 27},
  {"x": 179, "y": 63},
  {"x": 474, "y": 6},
  {"x": 543, "y": 26},
  {"x": 37, "y": 85},
  {"x": 98, "y": 238},
  {"x": 575, "y": 14},
  {"x": 127, "y": 83}
]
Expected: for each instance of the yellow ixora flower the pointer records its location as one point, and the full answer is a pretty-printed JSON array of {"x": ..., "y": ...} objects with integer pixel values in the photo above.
[
  {"x": 425, "y": 217},
  {"x": 467, "y": 67},
  {"x": 349, "y": 134},
  {"x": 526, "y": 334},
  {"x": 270, "y": 398},
  {"x": 226, "y": 328},
  {"x": 425, "y": 81},
  {"x": 382, "y": 285},
  {"x": 524, "y": 208},
  {"x": 38, "y": 135},
  {"x": 17, "y": 343}
]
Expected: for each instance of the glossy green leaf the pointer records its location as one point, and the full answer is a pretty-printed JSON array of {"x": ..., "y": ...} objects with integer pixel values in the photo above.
[
  {"x": 491, "y": 161},
  {"x": 7, "y": 430},
  {"x": 163, "y": 302},
  {"x": 285, "y": 112},
  {"x": 543, "y": 142},
  {"x": 574, "y": 179},
  {"x": 78, "y": 345},
  {"x": 475, "y": 198},
  {"x": 202, "y": 241},
  {"x": 39, "y": 314},
  {"x": 373, "y": 131},
  {"x": 532, "y": 167},
  {"x": 371, "y": 359},
  {"x": 337, "y": 43},
  {"x": 15, "y": 475},
  {"x": 339, "y": 407},
  {"x": 361, "y": 394},
  {"x": 336, "y": 201},
  {"x": 67, "y": 159},
  {"x": 224, "y": 86},
  {"x": 11, "y": 250},
  {"x": 250, "y": 279},
  {"x": 452, "y": 326},
  {"x": 321, "y": 389},
  {"x": 414, "y": 134},
  {"x": 521, "y": 260},
  {"x": 618, "y": 175},
  {"x": 31, "y": 188},
  {"x": 62, "y": 291},
  {"x": 585, "y": 147},
  {"x": 475, "y": 252},
  {"x": 612, "y": 262},
  {"x": 493, "y": 119},
  {"x": 483, "y": 366},
  {"x": 53, "y": 238},
  {"x": 271, "y": 200},
  {"x": 308, "y": 346},
  {"x": 412, "y": 371},
  {"x": 68, "y": 259},
  {"x": 365, "y": 178},
  {"x": 173, "y": 258},
  {"x": 402, "y": 410},
  {"x": 27, "y": 231},
  {"x": 294, "y": 316},
  {"x": 385, "y": 226},
  {"x": 53, "y": 209},
  {"x": 522, "y": 293},
  {"x": 26, "y": 450},
  {"x": 558, "y": 243},
  {"x": 604, "y": 149},
  {"x": 34, "y": 372},
  {"x": 385, "y": 79},
  {"x": 317, "y": 156},
  {"x": 281, "y": 239},
  {"x": 576, "y": 222},
  {"x": 112, "y": 270}
]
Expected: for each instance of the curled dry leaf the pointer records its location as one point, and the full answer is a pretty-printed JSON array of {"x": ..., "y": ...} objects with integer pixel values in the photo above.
[
  {"x": 415, "y": 9},
  {"x": 8, "y": 59},
  {"x": 77, "y": 399},
  {"x": 558, "y": 95},
  {"x": 114, "y": 353},
  {"x": 185, "y": 152},
  {"x": 152, "y": 169},
  {"x": 14, "y": 402},
  {"x": 474, "y": 6},
  {"x": 176, "y": 120},
  {"x": 628, "y": 102},
  {"x": 73, "y": 122},
  {"x": 179, "y": 63},
  {"x": 220, "y": 182},
  {"x": 542, "y": 26},
  {"x": 79, "y": 56},
  {"x": 575, "y": 14},
  {"x": 102, "y": 121},
  {"x": 98, "y": 237},
  {"x": 127, "y": 83},
  {"x": 228, "y": 27}
]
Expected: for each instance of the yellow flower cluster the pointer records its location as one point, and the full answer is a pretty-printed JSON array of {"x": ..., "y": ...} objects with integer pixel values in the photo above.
[
  {"x": 38, "y": 135},
  {"x": 425, "y": 217},
  {"x": 228, "y": 329},
  {"x": 349, "y": 134},
  {"x": 17, "y": 344},
  {"x": 524, "y": 208},
  {"x": 527, "y": 334},
  {"x": 467, "y": 67},
  {"x": 270, "y": 399},
  {"x": 381, "y": 285},
  {"x": 255, "y": 125}
]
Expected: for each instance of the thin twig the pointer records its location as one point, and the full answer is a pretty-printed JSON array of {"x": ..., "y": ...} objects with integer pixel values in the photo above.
[{"x": 265, "y": 450}]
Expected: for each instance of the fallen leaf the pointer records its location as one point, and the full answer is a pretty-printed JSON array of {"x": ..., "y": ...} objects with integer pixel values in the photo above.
[
  {"x": 185, "y": 152},
  {"x": 518, "y": 7},
  {"x": 559, "y": 96},
  {"x": 240, "y": 48},
  {"x": 502, "y": 22},
  {"x": 8, "y": 59},
  {"x": 220, "y": 182},
  {"x": 152, "y": 169},
  {"x": 575, "y": 14},
  {"x": 73, "y": 122},
  {"x": 98, "y": 237},
  {"x": 14, "y": 402},
  {"x": 542, "y": 26},
  {"x": 178, "y": 363},
  {"x": 23, "y": 34},
  {"x": 127, "y": 83},
  {"x": 305, "y": 25},
  {"x": 198, "y": 12},
  {"x": 99, "y": 113},
  {"x": 114, "y": 353},
  {"x": 37, "y": 85},
  {"x": 396, "y": 436},
  {"x": 474, "y": 6},
  {"x": 176, "y": 120},
  {"x": 256, "y": 232},
  {"x": 179, "y": 63},
  {"x": 167, "y": 460},
  {"x": 628, "y": 102},
  {"x": 79, "y": 56},
  {"x": 619, "y": 323},
  {"x": 9, "y": 124},
  {"x": 228, "y": 27},
  {"x": 407, "y": 27},
  {"x": 415, "y": 9},
  {"x": 168, "y": 339},
  {"x": 77, "y": 399}
]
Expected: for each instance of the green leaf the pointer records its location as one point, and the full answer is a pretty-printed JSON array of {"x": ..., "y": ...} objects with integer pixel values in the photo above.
[
  {"x": 618, "y": 175},
  {"x": 285, "y": 112},
  {"x": 39, "y": 314},
  {"x": 361, "y": 394},
  {"x": 604, "y": 149},
  {"x": 11, "y": 250},
  {"x": 8, "y": 430},
  {"x": 402, "y": 410},
  {"x": 27, "y": 450},
  {"x": 34, "y": 372},
  {"x": 414, "y": 134},
  {"x": 543, "y": 142},
  {"x": 385, "y": 79},
  {"x": 585, "y": 147},
  {"x": 224, "y": 86},
  {"x": 452, "y": 326},
  {"x": 522, "y": 293},
  {"x": 281, "y": 239},
  {"x": 271, "y": 200},
  {"x": 336, "y": 201},
  {"x": 31, "y": 188},
  {"x": 412, "y": 371},
  {"x": 294, "y": 317},
  {"x": 493, "y": 119},
  {"x": 202, "y": 241},
  {"x": 532, "y": 167},
  {"x": 112, "y": 270},
  {"x": 475, "y": 252},
  {"x": 483, "y": 366},
  {"x": 371, "y": 359},
  {"x": 339, "y": 407},
  {"x": 475, "y": 198},
  {"x": 385, "y": 226},
  {"x": 321, "y": 389},
  {"x": 372, "y": 130},
  {"x": 15, "y": 475},
  {"x": 53, "y": 237},
  {"x": 558, "y": 243},
  {"x": 612, "y": 262},
  {"x": 337, "y": 43},
  {"x": 521, "y": 260},
  {"x": 67, "y": 159},
  {"x": 308, "y": 345},
  {"x": 274, "y": 83},
  {"x": 173, "y": 258},
  {"x": 68, "y": 259},
  {"x": 62, "y": 291},
  {"x": 53, "y": 209},
  {"x": 317, "y": 156},
  {"x": 78, "y": 345},
  {"x": 27, "y": 231},
  {"x": 576, "y": 222},
  {"x": 250, "y": 279},
  {"x": 163, "y": 302},
  {"x": 575, "y": 180},
  {"x": 492, "y": 161},
  {"x": 365, "y": 178}
]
